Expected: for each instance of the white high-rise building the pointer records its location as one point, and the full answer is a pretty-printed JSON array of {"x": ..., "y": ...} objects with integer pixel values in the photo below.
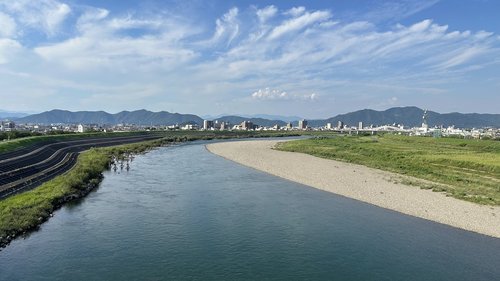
[
  {"x": 302, "y": 124},
  {"x": 207, "y": 125}
]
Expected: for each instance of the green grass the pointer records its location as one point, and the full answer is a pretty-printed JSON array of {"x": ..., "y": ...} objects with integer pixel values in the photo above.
[
  {"x": 6, "y": 146},
  {"x": 27, "y": 210},
  {"x": 464, "y": 169}
]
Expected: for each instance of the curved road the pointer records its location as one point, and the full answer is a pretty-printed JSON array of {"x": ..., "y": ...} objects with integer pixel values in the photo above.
[{"x": 26, "y": 168}]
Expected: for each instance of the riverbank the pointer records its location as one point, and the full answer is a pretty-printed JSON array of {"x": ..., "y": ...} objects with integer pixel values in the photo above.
[
  {"x": 364, "y": 184},
  {"x": 466, "y": 169},
  {"x": 25, "y": 212}
]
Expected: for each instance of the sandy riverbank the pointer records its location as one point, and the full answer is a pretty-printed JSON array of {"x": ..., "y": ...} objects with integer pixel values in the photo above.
[{"x": 362, "y": 183}]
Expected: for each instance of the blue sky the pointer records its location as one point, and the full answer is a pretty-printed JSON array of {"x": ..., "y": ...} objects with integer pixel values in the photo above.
[{"x": 309, "y": 58}]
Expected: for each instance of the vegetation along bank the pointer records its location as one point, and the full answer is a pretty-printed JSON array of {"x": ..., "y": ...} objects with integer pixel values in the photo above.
[
  {"x": 24, "y": 212},
  {"x": 462, "y": 168}
]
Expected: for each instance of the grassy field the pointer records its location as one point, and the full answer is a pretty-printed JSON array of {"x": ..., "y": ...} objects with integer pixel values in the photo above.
[{"x": 464, "y": 169}]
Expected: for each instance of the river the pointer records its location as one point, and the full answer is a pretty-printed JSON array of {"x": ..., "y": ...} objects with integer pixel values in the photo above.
[{"x": 182, "y": 213}]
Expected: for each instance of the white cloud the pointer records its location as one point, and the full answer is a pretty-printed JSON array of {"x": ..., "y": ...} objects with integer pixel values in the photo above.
[
  {"x": 299, "y": 23},
  {"x": 420, "y": 26},
  {"x": 226, "y": 27},
  {"x": 45, "y": 15},
  {"x": 7, "y": 26},
  {"x": 270, "y": 94},
  {"x": 90, "y": 17},
  {"x": 8, "y": 49},
  {"x": 102, "y": 43},
  {"x": 276, "y": 94},
  {"x": 266, "y": 13},
  {"x": 295, "y": 11},
  {"x": 312, "y": 54},
  {"x": 311, "y": 97},
  {"x": 463, "y": 56},
  {"x": 91, "y": 53}
]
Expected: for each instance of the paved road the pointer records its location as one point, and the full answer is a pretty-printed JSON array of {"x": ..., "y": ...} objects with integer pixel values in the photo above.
[{"x": 26, "y": 168}]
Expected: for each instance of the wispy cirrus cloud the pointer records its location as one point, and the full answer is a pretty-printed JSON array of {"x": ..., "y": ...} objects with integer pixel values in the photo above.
[
  {"x": 266, "y": 13},
  {"x": 227, "y": 27},
  {"x": 309, "y": 52},
  {"x": 299, "y": 22},
  {"x": 44, "y": 15},
  {"x": 395, "y": 10}
]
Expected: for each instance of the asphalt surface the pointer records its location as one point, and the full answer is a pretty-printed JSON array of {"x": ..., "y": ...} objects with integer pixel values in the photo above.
[{"x": 28, "y": 167}]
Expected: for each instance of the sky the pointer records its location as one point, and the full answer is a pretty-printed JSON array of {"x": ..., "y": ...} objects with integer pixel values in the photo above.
[{"x": 314, "y": 59}]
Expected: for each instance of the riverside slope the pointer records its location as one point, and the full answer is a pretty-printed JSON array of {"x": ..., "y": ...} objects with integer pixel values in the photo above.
[{"x": 362, "y": 183}]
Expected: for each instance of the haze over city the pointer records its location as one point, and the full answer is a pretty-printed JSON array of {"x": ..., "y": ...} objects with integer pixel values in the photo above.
[{"x": 313, "y": 59}]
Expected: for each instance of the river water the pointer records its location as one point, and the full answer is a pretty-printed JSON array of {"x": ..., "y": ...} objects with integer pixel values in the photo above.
[{"x": 182, "y": 213}]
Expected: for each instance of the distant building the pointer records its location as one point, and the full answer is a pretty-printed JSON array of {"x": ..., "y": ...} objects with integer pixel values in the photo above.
[
  {"x": 190, "y": 127},
  {"x": 289, "y": 126},
  {"x": 224, "y": 126},
  {"x": 302, "y": 124},
  {"x": 207, "y": 125},
  {"x": 173, "y": 127},
  {"x": 340, "y": 125},
  {"x": 7, "y": 126},
  {"x": 247, "y": 125},
  {"x": 360, "y": 125},
  {"x": 80, "y": 128},
  {"x": 329, "y": 126}
]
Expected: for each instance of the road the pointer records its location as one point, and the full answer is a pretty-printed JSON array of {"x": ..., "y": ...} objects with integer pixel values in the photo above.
[{"x": 28, "y": 167}]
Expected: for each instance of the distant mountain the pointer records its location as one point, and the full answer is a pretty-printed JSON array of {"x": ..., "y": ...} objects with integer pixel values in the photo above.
[
  {"x": 261, "y": 116},
  {"x": 411, "y": 116},
  {"x": 138, "y": 117},
  {"x": 11, "y": 115},
  {"x": 258, "y": 121},
  {"x": 408, "y": 116}
]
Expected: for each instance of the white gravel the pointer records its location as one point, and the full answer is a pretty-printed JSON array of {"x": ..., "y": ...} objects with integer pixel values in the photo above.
[{"x": 361, "y": 183}]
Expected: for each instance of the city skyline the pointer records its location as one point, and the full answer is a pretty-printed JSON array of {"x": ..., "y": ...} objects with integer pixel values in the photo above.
[{"x": 305, "y": 58}]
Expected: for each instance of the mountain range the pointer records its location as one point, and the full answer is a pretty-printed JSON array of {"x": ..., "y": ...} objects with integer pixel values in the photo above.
[
  {"x": 138, "y": 117},
  {"x": 408, "y": 116},
  {"x": 261, "y": 116},
  {"x": 411, "y": 116},
  {"x": 11, "y": 115}
]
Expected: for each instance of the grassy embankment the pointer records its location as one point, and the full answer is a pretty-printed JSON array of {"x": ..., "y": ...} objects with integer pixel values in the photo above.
[
  {"x": 8, "y": 145},
  {"x": 465, "y": 169},
  {"x": 25, "y": 211}
]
